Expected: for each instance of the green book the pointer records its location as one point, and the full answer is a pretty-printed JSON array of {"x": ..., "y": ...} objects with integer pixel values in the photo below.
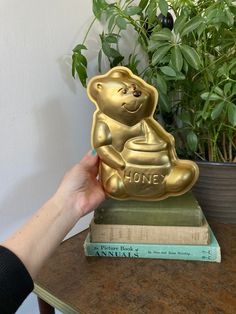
[
  {"x": 182, "y": 210},
  {"x": 206, "y": 253}
]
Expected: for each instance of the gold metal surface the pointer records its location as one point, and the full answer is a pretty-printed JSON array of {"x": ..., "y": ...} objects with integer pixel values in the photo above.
[{"x": 138, "y": 157}]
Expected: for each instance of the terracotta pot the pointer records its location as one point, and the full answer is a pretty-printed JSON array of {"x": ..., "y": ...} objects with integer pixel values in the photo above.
[{"x": 215, "y": 190}]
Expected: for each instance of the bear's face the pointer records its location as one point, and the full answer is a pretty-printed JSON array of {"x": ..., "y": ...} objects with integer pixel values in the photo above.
[{"x": 123, "y": 96}]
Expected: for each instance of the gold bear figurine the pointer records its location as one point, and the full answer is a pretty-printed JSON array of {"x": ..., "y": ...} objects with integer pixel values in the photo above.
[{"x": 137, "y": 156}]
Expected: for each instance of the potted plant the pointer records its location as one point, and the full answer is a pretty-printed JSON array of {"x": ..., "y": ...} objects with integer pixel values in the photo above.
[{"x": 187, "y": 50}]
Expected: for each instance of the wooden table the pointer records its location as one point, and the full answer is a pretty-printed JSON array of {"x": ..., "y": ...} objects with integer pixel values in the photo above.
[{"x": 74, "y": 283}]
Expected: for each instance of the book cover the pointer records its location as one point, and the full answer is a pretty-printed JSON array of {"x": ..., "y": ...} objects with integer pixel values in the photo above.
[
  {"x": 207, "y": 253},
  {"x": 182, "y": 210},
  {"x": 149, "y": 234}
]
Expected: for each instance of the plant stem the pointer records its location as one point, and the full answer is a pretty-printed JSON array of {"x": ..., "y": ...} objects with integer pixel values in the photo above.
[
  {"x": 90, "y": 26},
  {"x": 199, "y": 156},
  {"x": 224, "y": 146},
  {"x": 230, "y": 151},
  {"x": 224, "y": 57},
  {"x": 210, "y": 153},
  {"x": 134, "y": 24},
  {"x": 128, "y": 3},
  {"x": 221, "y": 156}
]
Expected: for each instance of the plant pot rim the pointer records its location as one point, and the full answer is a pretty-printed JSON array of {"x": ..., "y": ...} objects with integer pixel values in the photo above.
[{"x": 212, "y": 163}]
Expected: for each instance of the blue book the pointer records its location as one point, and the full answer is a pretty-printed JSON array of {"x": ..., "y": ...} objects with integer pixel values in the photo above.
[{"x": 206, "y": 253}]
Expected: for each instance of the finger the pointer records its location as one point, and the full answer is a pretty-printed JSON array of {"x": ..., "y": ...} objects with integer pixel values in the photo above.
[
  {"x": 89, "y": 153},
  {"x": 90, "y": 160}
]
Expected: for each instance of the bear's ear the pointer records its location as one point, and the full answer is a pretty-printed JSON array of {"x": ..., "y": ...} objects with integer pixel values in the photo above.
[
  {"x": 99, "y": 86},
  {"x": 119, "y": 73},
  {"x": 94, "y": 88}
]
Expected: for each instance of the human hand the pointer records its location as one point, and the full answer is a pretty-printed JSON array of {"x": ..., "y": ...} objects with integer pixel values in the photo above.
[{"x": 80, "y": 189}]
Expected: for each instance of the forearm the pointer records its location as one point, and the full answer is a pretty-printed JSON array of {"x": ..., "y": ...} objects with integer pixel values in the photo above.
[
  {"x": 78, "y": 194},
  {"x": 38, "y": 238}
]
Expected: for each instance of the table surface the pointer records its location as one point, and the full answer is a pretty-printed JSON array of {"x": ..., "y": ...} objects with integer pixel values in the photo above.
[{"x": 74, "y": 283}]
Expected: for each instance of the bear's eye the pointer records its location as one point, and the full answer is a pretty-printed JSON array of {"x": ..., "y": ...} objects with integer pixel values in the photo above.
[{"x": 124, "y": 90}]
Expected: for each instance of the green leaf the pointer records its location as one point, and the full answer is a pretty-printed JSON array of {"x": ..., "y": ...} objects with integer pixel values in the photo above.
[
  {"x": 110, "y": 11},
  {"x": 230, "y": 17},
  {"x": 180, "y": 23},
  {"x": 210, "y": 96},
  {"x": 185, "y": 66},
  {"x": 153, "y": 45},
  {"x": 227, "y": 88},
  {"x": 190, "y": 56},
  {"x": 163, "y": 5},
  {"x": 214, "y": 15},
  {"x": 185, "y": 117},
  {"x": 159, "y": 54},
  {"x": 121, "y": 22},
  {"x": 133, "y": 63},
  {"x": 112, "y": 39},
  {"x": 164, "y": 34},
  {"x": 220, "y": 17},
  {"x": 81, "y": 59},
  {"x": 79, "y": 47},
  {"x": 82, "y": 73},
  {"x": 98, "y": 7},
  {"x": 143, "y": 4},
  {"x": 192, "y": 141},
  {"x": 192, "y": 25},
  {"x": 219, "y": 91},
  {"x": 217, "y": 110},
  {"x": 157, "y": 28},
  {"x": 232, "y": 64},
  {"x": 164, "y": 103},
  {"x": 116, "y": 61},
  {"x": 161, "y": 84},
  {"x": 223, "y": 71},
  {"x": 108, "y": 51},
  {"x": 79, "y": 64},
  {"x": 201, "y": 29},
  {"x": 177, "y": 58},
  {"x": 111, "y": 23},
  {"x": 168, "y": 71},
  {"x": 229, "y": 2},
  {"x": 180, "y": 76},
  {"x": 166, "y": 59},
  {"x": 132, "y": 10},
  {"x": 232, "y": 113},
  {"x": 151, "y": 12},
  {"x": 233, "y": 70},
  {"x": 148, "y": 75},
  {"x": 205, "y": 115},
  {"x": 234, "y": 89}
]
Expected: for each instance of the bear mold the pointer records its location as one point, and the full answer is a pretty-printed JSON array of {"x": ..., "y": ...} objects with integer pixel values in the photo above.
[{"x": 137, "y": 156}]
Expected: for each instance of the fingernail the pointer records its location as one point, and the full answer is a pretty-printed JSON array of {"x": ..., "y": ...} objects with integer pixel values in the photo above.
[{"x": 94, "y": 152}]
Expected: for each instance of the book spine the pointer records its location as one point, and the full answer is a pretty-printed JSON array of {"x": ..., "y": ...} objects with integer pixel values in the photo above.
[
  {"x": 149, "y": 234},
  {"x": 178, "y": 252}
]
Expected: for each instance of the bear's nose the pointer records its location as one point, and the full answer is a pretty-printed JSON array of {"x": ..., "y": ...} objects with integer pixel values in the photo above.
[{"x": 137, "y": 93}]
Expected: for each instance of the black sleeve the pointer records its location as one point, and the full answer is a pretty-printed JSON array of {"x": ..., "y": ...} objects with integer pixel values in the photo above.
[{"x": 15, "y": 282}]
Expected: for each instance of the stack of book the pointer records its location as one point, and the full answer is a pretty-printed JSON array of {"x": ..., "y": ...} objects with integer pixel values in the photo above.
[{"x": 171, "y": 229}]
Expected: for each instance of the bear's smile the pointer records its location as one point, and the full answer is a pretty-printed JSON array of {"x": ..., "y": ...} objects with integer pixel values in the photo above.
[{"x": 132, "y": 108}]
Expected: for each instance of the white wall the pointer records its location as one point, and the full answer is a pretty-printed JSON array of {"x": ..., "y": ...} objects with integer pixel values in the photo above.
[{"x": 45, "y": 116}]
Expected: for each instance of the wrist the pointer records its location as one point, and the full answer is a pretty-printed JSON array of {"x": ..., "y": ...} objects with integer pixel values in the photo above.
[{"x": 66, "y": 205}]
